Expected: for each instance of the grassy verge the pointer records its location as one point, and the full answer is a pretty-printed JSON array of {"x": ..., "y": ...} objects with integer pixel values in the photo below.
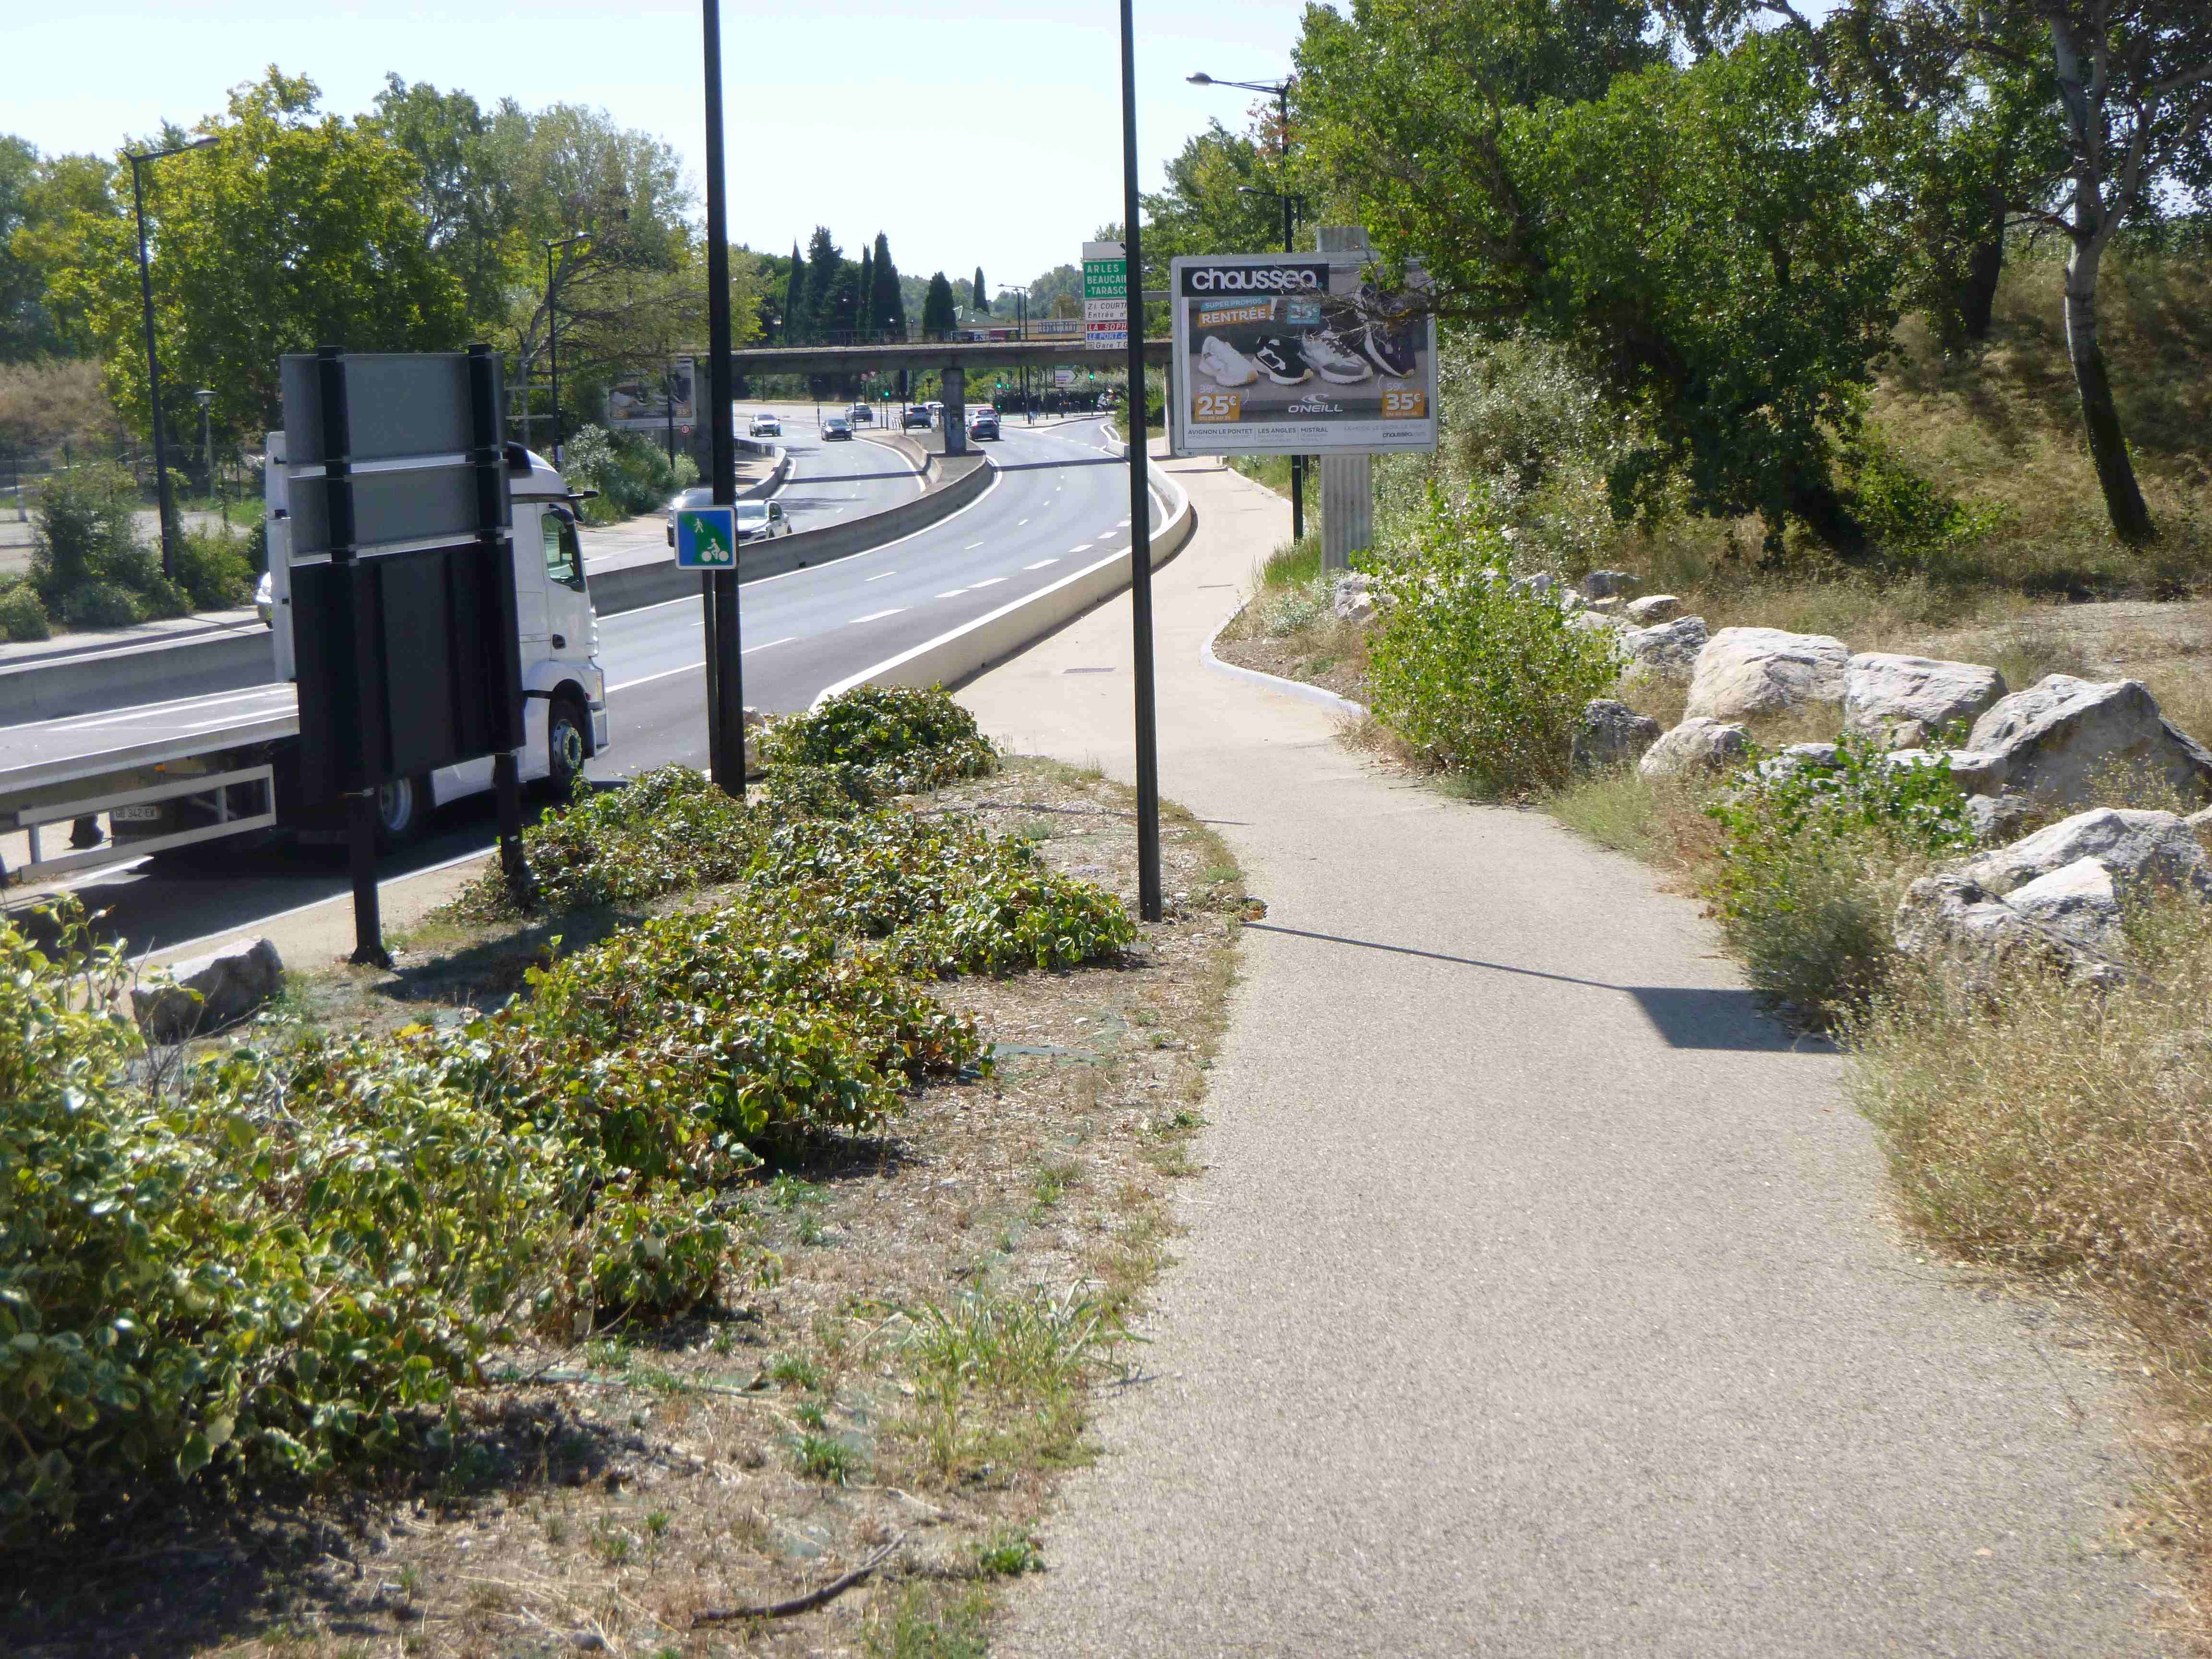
[
  {"x": 898, "y": 1355},
  {"x": 1288, "y": 628}
]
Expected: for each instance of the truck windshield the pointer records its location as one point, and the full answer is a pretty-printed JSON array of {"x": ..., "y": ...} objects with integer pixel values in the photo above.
[{"x": 564, "y": 558}]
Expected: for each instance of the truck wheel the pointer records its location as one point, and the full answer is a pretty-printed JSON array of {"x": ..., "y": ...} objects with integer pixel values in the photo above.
[
  {"x": 567, "y": 745},
  {"x": 403, "y": 806}
]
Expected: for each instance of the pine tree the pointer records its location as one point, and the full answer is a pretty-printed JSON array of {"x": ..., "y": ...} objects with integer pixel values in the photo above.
[
  {"x": 864, "y": 318},
  {"x": 940, "y": 314},
  {"x": 824, "y": 260},
  {"x": 887, "y": 307},
  {"x": 978, "y": 295},
  {"x": 794, "y": 301}
]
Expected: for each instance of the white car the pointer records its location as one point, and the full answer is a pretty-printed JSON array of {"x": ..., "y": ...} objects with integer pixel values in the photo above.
[{"x": 765, "y": 425}]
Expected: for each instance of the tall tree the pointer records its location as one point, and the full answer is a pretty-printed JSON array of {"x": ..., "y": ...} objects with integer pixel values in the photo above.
[
  {"x": 978, "y": 295},
  {"x": 866, "y": 289},
  {"x": 465, "y": 199},
  {"x": 296, "y": 229},
  {"x": 43, "y": 214},
  {"x": 1223, "y": 195},
  {"x": 1706, "y": 237},
  {"x": 795, "y": 331},
  {"x": 940, "y": 313},
  {"x": 824, "y": 260},
  {"x": 887, "y": 307}
]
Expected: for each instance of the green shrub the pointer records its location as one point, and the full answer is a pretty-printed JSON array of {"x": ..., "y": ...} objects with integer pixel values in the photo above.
[
  {"x": 1812, "y": 861},
  {"x": 85, "y": 530},
  {"x": 1485, "y": 676},
  {"x": 21, "y": 616},
  {"x": 909, "y": 740},
  {"x": 239, "y": 1275},
  {"x": 1914, "y": 523},
  {"x": 631, "y": 472},
  {"x": 214, "y": 571},
  {"x": 102, "y": 605}
]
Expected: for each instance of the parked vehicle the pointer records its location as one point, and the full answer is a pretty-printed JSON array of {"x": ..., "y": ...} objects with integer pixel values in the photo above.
[
  {"x": 765, "y": 425},
  {"x": 173, "y": 773}
]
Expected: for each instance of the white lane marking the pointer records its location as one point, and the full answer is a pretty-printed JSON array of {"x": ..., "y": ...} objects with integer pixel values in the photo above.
[
  {"x": 1040, "y": 564},
  {"x": 693, "y": 667},
  {"x": 878, "y": 578},
  {"x": 1120, "y": 524},
  {"x": 971, "y": 547},
  {"x": 1080, "y": 547},
  {"x": 876, "y": 615},
  {"x": 988, "y": 582},
  {"x": 1018, "y": 523},
  {"x": 954, "y": 594}
]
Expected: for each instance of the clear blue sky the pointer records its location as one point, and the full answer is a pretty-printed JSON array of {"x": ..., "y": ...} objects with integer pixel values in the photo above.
[{"x": 987, "y": 132}]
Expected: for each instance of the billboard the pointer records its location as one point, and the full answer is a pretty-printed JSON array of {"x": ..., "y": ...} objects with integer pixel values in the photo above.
[
  {"x": 643, "y": 402},
  {"x": 1298, "y": 353}
]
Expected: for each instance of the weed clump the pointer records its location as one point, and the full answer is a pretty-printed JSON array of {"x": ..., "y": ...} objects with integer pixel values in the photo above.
[
  {"x": 905, "y": 740},
  {"x": 1813, "y": 856},
  {"x": 1483, "y": 675}
]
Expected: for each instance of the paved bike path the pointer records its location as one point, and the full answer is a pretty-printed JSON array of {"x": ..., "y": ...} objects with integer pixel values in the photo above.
[{"x": 1540, "y": 1297}]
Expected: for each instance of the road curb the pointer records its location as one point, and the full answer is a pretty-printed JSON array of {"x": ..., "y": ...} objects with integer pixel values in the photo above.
[
  {"x": 1299, "y": 689},
  {"x": 964, "y": 652}
]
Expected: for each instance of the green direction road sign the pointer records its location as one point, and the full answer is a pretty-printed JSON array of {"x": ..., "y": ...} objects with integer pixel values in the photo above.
[{"x": 706, "y": 538}]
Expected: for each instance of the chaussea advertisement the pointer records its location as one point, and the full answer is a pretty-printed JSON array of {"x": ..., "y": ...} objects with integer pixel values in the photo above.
[{"x": 1284, "y": 353}]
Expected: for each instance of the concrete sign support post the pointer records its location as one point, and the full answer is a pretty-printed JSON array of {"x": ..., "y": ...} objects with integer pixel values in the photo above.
[
  {"x": 1141, "y": 507},
  {"x": 725, "y": 692},
  {"x": 1347, "y": 508},
  {"x": 956, "y": 410}
]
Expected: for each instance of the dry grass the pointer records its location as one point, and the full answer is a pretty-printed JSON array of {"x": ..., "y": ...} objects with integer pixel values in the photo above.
[
  {"x": 2050, "y": 1132},
  {"x": 919, "y": 1367}
]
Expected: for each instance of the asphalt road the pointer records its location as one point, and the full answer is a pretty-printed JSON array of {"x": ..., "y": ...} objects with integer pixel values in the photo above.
[{"x": 1061, "y": 497}]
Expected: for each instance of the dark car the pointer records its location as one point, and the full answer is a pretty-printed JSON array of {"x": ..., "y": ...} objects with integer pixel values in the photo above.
[
  {"x": 918, "y": 416},
  {"x": 861, "y": 414},
  {"x": 836, "y": 427},
  {"x": 983, "y": 423}
]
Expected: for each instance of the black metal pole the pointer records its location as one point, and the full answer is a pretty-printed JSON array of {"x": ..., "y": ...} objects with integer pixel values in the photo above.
[
  {"x": 153, "y": 378},
  {"x": 726, "y": 682},
  {"x": 553, "y": 352},
  {"x": 1290, "y": 245},
  {"x": 1141, "y": 504}
]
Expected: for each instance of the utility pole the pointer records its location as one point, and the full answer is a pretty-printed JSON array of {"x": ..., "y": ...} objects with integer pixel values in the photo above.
[
  {"x": 726, "y": 692},
  {"x": 168, "y": 508},
  {"x": 1140, "y": 502}
]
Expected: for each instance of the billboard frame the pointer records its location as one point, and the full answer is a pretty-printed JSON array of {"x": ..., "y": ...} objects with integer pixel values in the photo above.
[{"x": 1379, "y": 435}]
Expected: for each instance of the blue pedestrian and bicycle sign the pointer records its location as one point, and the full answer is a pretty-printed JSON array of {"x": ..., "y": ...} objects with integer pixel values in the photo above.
[{"x": 706, "y": 538}]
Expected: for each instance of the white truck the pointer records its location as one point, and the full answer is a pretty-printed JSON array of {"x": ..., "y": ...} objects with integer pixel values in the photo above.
[{"x": 170, "y": 774}]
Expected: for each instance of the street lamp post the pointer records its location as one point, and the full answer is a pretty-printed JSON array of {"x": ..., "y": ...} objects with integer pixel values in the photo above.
[
  {"x": 1281, "y": 91},
  {"x": 553, "y": 333},
  {"x": 168, "y": 508},
  {"x": 1149, "y": 896}
]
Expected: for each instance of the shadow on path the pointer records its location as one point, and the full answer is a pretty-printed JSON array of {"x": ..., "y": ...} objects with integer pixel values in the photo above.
[{"x": 1686, "y": 1016}]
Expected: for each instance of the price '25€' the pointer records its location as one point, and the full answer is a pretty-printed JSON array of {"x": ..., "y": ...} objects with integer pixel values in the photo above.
[{"x": 1218, "y": 406}]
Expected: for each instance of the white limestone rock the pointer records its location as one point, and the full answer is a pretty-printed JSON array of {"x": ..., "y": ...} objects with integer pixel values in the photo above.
[
  {"x": 1697, "y": 745},
  {"x": 2063, "y": 737},
  {"x": 1744, "y": 672},
  {"x": 1911, "y": 700}
]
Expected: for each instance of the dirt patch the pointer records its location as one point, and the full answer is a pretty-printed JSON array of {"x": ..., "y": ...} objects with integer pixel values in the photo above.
[
  {"x": 1318, "y": 656},
  {"x": 905, "y": 1388}
]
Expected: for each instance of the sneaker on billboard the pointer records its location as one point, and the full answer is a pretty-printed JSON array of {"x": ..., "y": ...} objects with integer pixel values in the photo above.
[
  {"x": 1285, "y": 364},
  {"x": 1224, "y": 365},
  {"x": 1390, "y": 349},
  {"x": 1332, "y": 361}
]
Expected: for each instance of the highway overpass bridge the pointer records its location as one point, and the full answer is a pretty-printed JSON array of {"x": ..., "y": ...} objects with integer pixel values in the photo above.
[{"x": 922, "y": 356}]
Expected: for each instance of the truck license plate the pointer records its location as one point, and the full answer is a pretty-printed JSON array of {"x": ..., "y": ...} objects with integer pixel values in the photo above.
[{"x": 150, "y": 813}]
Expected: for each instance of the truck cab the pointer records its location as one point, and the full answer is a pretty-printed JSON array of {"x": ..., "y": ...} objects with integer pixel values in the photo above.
[{"x": 564, "y": 689}]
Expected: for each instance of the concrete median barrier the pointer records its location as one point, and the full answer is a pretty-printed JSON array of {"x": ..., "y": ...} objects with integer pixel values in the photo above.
[{"x": 968, "y": 650}]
